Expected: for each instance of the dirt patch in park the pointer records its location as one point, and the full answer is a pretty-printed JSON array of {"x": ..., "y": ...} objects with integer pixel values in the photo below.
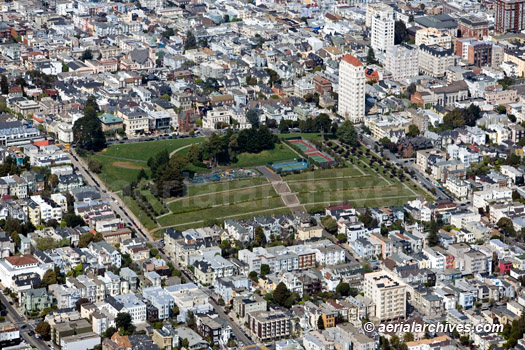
[{"x": 128, "y": 165}]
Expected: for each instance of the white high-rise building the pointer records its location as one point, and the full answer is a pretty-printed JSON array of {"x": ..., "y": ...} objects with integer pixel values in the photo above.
[
  {"x": 382, "y": 31},
  {"x": 388, "y": 295},
  {"x": 351, "y": 89},
  {"x": 374, "y": 8},
  {"x": 402, "y": 61}
]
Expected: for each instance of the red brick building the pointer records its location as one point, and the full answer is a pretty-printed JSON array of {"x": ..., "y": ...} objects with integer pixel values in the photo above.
[
  {"x": 322, "y": 85},
  {"x": 472, "y": 27},
  {"x": 510, "y": 16}
]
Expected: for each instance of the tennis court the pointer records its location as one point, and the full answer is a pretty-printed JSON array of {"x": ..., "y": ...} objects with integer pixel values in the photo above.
[
  {"x": 303, "y": 146},
  {"x": 320, "y": 158},
  {"x": 291, "y": 165}
]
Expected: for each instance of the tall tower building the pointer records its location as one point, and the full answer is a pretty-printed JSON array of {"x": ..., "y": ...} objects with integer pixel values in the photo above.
[
  {"x": 383, "y": 31},
  {"x": 510, "y": 16},
  {"x": 388, "y": 295},
  {"x": 351, "y": 89}
]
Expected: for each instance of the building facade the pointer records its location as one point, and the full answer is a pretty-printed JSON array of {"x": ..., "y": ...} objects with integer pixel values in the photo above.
[{"x": 351, "y": 89}]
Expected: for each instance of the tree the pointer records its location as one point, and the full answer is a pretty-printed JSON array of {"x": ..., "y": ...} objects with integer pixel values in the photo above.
[
  {"x": 433, "y": 237},
  {"x": 170, "y": 181},
  {"x": 407, "y": 337},
  {"x": 87, "y": 131},
  {"x": 320, "y": 323},
  {"x": 43, "y": 329},
  {"x": 109, "y": 332},
  {"x": 4, "y": 85},
  {"x": 506, "y": 225},
  {"x": 184, "y": 343},
  {"x": 49, "y": 278},
  {"x": 80, "y": 302},
  {"x": 400, "y": 32},
  {"x": 85, "y": 239},
  {"x": 94, "y": 166},
  {"x": 265, "y": 270},
  {"x": 123, "y": 320},
  {"x": 370, "y": 56},
  {"x": 168, "y": 33},
  {"x": 411, "y": 89},
  {"x": 141, "y": 175},
  {"x": 323, "y": 122},
  {"x": 329, "y": 224},
  {"x": 258, "y": 236},
  {"x": 253, "y": 276},
  {"x": 343, "y": 288},
  {"x": 413, "y": 131},
  {"x": 190, "y": 42},
  {"x": 87, "y": 55},
  {"x": 73, "y": 220},
  {"x": 347, "y": 133},
  {"x": 280, "y": 294}
]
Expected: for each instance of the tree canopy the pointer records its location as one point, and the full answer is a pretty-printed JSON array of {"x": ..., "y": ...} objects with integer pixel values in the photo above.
[
  {"x": 347, "y": 133},
  {"x": 87, "y": 131}
]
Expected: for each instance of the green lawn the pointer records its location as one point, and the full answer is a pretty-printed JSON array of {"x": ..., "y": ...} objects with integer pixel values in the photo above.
[
  {"x": 117, "y": 174},
  {"x": 155, "y": 203},
  {"x": 340, "y": 184},
  {"x": 144, "y": 219},
  {"x": 222, "y": 198},
  {"x": 220, "y": 212},
  {"x": 279, "y": 153},
  {"x": 193, "y": 190},
  {"x": 145, "y": 150},
  {"x": 374, "y": 194},
  {"x": 324, "y": 174}
]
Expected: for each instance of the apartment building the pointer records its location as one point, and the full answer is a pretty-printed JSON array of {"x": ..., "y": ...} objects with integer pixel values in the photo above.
[
  {"x": 509, "y": 16},
  {"x": 268, "y": 325},
  {"x": 351, "y": 89},
  {"x": 402, "y": 61},
  {"x": 433, "y": 36},
  {"x": 435, "y": 60},
  {"x": 387, "y": 294},
  {"x": 382, "y": 36}
]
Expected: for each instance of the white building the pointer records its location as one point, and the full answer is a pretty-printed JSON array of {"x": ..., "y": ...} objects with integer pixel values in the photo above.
[
  {"x": 458, "y": 187},
  {"x": 435, "y": 60},
  {"x": 129, "y": 303},
  {"x": 433, "y": 36},
  {"x": 214, "y": 118},
  {"x": 436, "y": 259},
  {"x": 387, "y": 294},
  {"x": 161, "y": 299},
  {"x": 382, "y": 31},
  {"x": 402, "y": 61},
  {"x": 351, "y": 89},
  {"x": 83, "y": 341},
  {"x": 16, "y": 265}
]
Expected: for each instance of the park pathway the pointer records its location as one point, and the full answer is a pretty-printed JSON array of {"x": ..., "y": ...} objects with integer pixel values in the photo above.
[
  {"x": 282, "y": 189},
  {"x": 181, "y": 148}
]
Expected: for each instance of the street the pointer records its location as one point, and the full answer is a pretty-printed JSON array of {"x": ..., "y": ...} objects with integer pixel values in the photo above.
[{"x": 23, "y": 325}]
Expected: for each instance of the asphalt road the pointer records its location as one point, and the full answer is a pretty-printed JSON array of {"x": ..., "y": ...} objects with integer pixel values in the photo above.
[{"x": 23, "y": 325}]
